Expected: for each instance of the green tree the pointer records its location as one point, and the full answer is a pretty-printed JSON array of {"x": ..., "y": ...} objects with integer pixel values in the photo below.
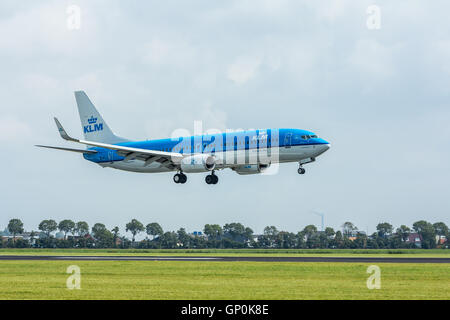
[
  {"x": 323, "y": 240},
  {"x": 339, "y": 239},
  {"x": 135, "y": 227},
  {"x": 312, "y": 236},
  {"x": 81, "y": 228},
  {"x": 329, "y": 232},
  {"x": 384, "y": 229},
  {"x": 403, "y": 232},
  {"x": 213, "y": 231},
  {"x": 271, "y": 233},
  {"x": 154, "y": 229},
  {"x": 348, "y": 229},
  {"x": 48, "y": 226},
  {"x": 285, "y": 240},
  {"x": 104, "y": 237},
  {"x": 300, "y": 237},
  {"x": 15, "y": 226},
  {"x": 440, "y": 228},
  {"x": 248, "y": 234},
  {"x": 234, "y": 230},
  {"x": 115, "y": 232},
  {"x": 184, "y": 238},
  {"x": 66, "y": 226},
  {"x": 169, "y": 240},
  {"x": 427, "y": 232},
  {"x": 309, "y": 231},
  {"x": 361, "y": 240},
  {"x": 98, "y": 229}
]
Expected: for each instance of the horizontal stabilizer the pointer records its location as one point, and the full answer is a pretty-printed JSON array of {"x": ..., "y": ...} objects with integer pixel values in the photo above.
[{"x": 69, "y": 149}]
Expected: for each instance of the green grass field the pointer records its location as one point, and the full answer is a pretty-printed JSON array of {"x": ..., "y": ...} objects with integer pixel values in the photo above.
[
  {"x": 221, "y": 280},
  {"x": 417, "y": 253}
]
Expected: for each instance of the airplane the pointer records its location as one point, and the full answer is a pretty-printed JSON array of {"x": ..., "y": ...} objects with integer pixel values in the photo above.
[{"x": 245, "y": 152}]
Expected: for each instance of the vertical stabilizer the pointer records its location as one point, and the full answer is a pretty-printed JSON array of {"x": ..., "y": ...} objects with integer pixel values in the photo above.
[{"x": 93, "y": 126}]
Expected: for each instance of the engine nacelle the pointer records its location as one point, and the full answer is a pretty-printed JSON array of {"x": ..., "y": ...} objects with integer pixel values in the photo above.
[
  {"x": 251, "y": 168},
  {"x": 198, "y": 163}
]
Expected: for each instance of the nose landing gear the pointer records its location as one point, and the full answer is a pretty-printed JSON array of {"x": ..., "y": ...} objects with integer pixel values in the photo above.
[
  {"x": 180, "y": 178},
  {"x": 301, "y": 170},
  {"x": 211, "y": 178}
]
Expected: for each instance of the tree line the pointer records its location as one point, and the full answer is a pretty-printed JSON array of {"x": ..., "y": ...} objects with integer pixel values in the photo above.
[{"x": 232, "y": 235}]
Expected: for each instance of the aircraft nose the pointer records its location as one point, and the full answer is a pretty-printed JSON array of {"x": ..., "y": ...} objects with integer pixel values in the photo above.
[
  {"x": 325, "y": 147},
  {"x": 325, "y": 144},
  {"x": 322, "y": 148}
]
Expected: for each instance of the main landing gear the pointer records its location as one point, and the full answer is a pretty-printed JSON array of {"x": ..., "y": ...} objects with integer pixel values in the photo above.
[
  {"x": 301, "y": 170},
  {"x": 180, "y": 178},
  {"x": 211, "y": 178}
]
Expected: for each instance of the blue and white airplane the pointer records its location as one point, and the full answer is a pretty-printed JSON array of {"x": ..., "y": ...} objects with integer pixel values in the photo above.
[{"x": 245, "y": 152}]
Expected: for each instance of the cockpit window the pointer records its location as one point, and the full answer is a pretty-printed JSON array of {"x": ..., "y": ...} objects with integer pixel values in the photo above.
[{"x": 307, "y": 137}]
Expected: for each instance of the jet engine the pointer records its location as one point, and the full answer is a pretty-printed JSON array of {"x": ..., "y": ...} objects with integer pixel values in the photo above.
[
  {"x": 251, "y": 168},
  {"x": 198, "y": 163}
]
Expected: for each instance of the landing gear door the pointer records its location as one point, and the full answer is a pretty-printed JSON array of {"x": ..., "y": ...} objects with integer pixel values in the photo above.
[{"x": 287, "y": 140}]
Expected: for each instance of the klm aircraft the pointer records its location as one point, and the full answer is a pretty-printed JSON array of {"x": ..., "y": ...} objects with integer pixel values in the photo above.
[{"x": 245, "y": 152}]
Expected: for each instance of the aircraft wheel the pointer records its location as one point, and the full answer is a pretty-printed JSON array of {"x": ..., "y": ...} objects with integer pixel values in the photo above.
[
  {"x": 215, "y": 179},
  {"x": 183, "y": 178},
  {"x": 177, "y": 178},
  {"x": 301, "y": 171},
  {"x": 209, "y": 179}
]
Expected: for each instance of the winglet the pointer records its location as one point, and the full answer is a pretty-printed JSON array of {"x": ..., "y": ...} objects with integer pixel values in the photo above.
[{"x": 63, "y": 132}]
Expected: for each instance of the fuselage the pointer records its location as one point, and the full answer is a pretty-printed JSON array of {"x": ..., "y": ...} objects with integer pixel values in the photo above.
[{"x": 230, "y": 149}]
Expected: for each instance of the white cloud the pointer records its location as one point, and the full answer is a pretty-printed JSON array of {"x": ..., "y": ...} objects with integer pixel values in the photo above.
[
  {"x": 370, "y": 56},
  {"x": 267, "y": 7},
  {"x": 170, "y": 51},
  {"x": 244, "y": 69},
  {"x": 38, "y": 82},
  {"x": 12, "y": 129},
  {"x": 156, "y": 51},
  {"x": 214, "y": 118},
  {"x": 43, "y": 30},
  {"x": 332, "y": 10},
  {"x": 440, "y": 51}
]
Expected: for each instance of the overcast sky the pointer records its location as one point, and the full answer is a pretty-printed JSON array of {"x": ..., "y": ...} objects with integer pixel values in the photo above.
[{"x": 380, "y": 96}]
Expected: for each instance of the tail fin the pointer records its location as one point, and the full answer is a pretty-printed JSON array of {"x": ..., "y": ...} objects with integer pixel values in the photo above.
[{"x": 94, "y": 127}]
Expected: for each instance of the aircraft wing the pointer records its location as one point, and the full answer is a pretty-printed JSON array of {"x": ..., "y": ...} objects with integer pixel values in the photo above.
[
  {"x": 169, "y": 159},
  {"x": 68, "y": 149}
]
